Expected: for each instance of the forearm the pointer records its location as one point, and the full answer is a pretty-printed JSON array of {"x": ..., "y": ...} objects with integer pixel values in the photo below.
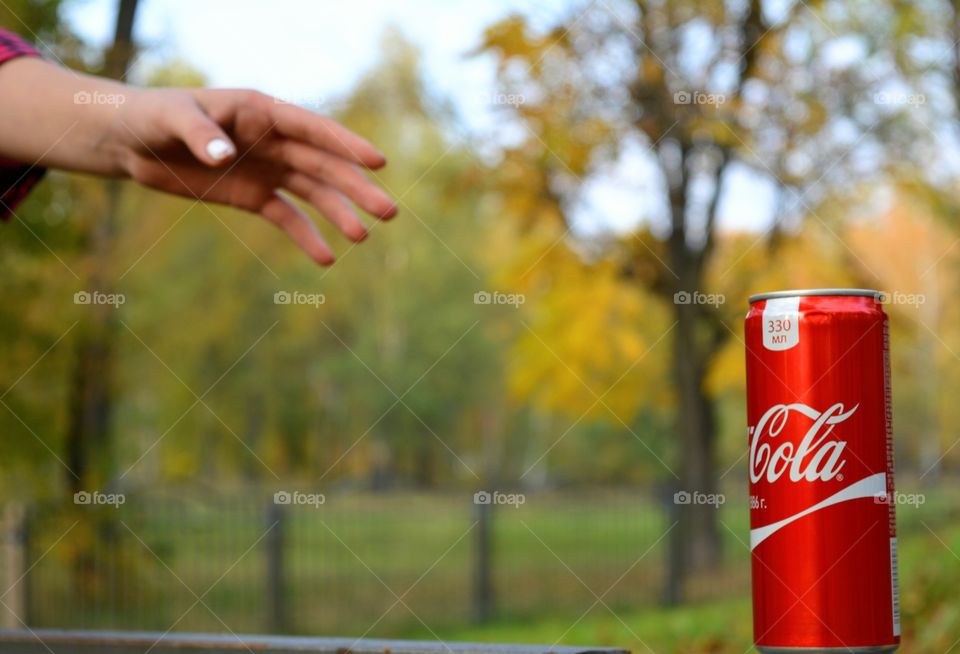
[
  {"x": 58, "y": 118},
  {"x": 235, "y": 147}
]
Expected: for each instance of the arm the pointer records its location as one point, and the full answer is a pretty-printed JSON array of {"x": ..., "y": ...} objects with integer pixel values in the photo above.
[
  {"x": 233, "y": 147},
  {"x": 63, "y": 132}
]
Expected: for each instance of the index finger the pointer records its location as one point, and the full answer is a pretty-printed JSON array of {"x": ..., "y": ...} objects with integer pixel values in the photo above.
[{"x": 302, "y": 125}]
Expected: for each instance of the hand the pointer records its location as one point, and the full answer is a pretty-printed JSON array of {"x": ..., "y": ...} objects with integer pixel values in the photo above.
[{"x": 240, "y": 148}]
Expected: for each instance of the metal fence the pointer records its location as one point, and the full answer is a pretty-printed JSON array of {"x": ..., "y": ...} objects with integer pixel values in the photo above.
[{"x": 368, "y": 564}]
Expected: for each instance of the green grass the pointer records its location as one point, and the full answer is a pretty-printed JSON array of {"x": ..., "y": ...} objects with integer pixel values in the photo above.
[
  {"x": 929, "y": 577},
  {"x": 716, "y": 626}
]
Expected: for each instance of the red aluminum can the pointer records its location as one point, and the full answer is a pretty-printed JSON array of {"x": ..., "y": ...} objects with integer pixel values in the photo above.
[{"x": 822, "y": 520}]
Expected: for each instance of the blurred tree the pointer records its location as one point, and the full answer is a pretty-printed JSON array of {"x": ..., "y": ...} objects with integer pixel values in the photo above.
[
  {"x": 697, "y": 93},
  {"x": 36, "y": 19},
  {"x": 318, "y": 394},
  {"x": 89, "y": 448},
  {"x": 88, "y": 445},
  {"x": 587, "y": 348},
  {"x": 919, "y": 281},
  {"x": 31, "y": 286},
  {"x": 918, "y": 98},
  {"x": 73, "y": 443}
]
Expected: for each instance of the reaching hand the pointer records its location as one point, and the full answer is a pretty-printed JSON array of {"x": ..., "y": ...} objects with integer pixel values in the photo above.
[
  {"x": 240, "y": 148},
  {"x": 234, "y": 147}
]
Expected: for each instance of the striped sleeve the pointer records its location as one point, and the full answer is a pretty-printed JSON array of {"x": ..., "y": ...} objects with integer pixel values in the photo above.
[{"x": 16, "y": 178}]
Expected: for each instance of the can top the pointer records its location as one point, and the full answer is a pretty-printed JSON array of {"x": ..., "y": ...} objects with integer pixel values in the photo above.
[{"x": 860, "y": 292}]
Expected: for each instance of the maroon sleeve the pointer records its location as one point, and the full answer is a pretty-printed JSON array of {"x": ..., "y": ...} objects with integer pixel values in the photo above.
[{"x": 16, "y": 178}]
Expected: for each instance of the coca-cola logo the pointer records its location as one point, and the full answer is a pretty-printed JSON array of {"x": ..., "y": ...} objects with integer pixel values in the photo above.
[{"x": 818, "y": 456}]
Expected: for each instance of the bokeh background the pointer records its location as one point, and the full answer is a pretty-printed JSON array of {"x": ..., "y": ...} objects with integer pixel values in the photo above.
[{"x": 588, "y": 193}]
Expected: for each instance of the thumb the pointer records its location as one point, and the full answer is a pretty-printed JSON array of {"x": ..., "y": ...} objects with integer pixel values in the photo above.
[{"x": 206, "y": 140}]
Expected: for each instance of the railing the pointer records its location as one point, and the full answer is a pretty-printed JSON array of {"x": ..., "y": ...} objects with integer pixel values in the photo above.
[
  {"x": 137, "y": 566},
  {"x": 264, "y": 567},
  {"x": 54, "y": 641}
]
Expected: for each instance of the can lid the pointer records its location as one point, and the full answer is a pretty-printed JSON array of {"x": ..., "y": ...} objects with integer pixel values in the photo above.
[{"x": 859, "y": 292}]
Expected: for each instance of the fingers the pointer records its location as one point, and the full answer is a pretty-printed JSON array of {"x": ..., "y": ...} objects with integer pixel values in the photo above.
[
  {"x": 298, "y": 123},
  {"x": 330, "y": 203},
  {"x": 297, "y": 225},
  {"x": 188, "y": 122},
  {"x": 341, "y": 175},
  {"x": 314, "y": 157}
]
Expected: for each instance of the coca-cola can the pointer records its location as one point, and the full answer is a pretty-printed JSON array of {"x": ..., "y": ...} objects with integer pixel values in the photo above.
[{"x": 822, "y": 517}]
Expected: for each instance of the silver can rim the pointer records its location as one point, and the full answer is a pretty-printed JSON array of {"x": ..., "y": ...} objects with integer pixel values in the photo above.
[{"x": 807, "y": 292}]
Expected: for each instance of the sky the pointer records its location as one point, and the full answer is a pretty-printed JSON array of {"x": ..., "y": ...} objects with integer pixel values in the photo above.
[
  {"x": 309, "y": 51},
  {"x": 318, "y": 48}
]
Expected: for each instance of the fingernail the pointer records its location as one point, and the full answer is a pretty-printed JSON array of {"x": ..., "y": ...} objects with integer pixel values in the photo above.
[{"x": 219, "y": 149}]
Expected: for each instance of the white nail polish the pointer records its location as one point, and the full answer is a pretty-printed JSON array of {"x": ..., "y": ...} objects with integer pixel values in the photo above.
[{"x": 219, "y": 149}]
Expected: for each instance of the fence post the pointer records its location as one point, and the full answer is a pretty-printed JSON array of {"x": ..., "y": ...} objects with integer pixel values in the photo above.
[
  {"x": 673, "y": 580},
  {"x": 483, "y": 597},
  {"x": 275, "y": 591},
  {"x": 15, "y": 566}
]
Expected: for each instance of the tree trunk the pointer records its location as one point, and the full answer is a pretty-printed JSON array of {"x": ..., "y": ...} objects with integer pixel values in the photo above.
[
  {"x": 699, "y": 524},
  {"x": 697, "y": 533},
  {"x": 88, "y": 437},
  {"x": 89, "y": 444},
  {"x": 381, "y": 464},
  {"x": 424, "y": 463}
]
